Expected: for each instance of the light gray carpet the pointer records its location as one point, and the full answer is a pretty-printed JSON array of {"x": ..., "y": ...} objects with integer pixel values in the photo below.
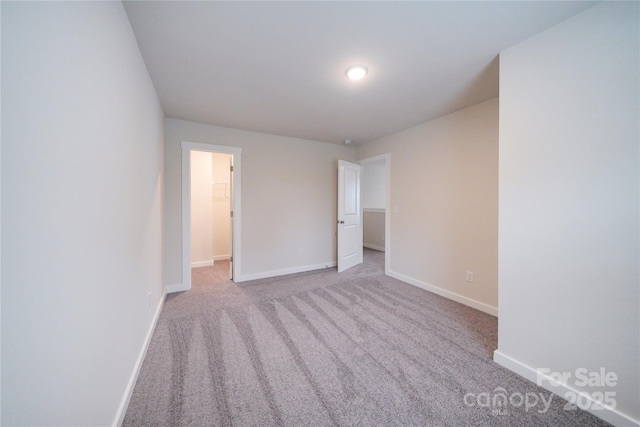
[{"x": 322, "y": 348}]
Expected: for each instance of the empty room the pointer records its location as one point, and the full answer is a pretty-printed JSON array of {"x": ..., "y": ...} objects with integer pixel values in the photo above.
[{"x": 320, "y": 213}]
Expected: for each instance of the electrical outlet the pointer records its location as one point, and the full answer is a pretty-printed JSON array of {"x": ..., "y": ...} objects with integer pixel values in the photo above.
[
  {"x": 469, "y": 276},
  {"x": 149, "y": 299},
  {"x": 300, "y": 251}
]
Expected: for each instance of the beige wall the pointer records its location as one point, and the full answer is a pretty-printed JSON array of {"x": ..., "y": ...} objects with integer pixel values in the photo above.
[
  {"x": 374, "y": 189},
  {"x": 82, "y": 137},
  {"x": 201, "y": 209},
  {"x": 288, "y": 199},
  {"x": 374, "y": 194},
  {"x": 221, "y": 206},
  {"x": 373, "y": 229},
  {"x": 210, "y": 207},
  {"x": 444, "y": 181},
  {"x": 569, "y": 210}
]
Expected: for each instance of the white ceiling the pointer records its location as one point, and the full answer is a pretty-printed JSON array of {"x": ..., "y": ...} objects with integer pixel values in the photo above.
[{"x": 278, "y": 67}]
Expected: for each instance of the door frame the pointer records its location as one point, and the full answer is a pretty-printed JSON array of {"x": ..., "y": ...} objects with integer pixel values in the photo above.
[
  {"x": 387, "y": 211},
  {"x": 236, "y": 153}
]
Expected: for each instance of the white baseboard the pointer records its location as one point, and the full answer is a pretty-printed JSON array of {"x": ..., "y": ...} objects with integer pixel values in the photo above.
[
  {"x": 175, "y": 288},
  {"x": 283, "y": 272},
  {"x": 375, "y": 247},
  {"x": 447, "y": 294},
  {"x": 201, "y": 264},
  {"x": 122, "y": 410},
  {"x": 607, "y": 414},
  {"x": 222, "y": 257}
]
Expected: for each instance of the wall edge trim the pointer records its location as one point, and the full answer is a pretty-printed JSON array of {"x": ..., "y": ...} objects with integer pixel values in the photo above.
[
  {"x": 124, "y": 403},
  {"x": 607, "y": 414},
  {"x": 447, "y": 294},
  {"x": 198, "y": 264},
  {"x": 169, "y": 289},
  {"x": 285, "y": 271},
  {"x": 374, "y": 247}
]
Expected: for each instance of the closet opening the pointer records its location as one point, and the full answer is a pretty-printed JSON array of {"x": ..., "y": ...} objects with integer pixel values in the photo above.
[{"x": 210, "y": 210}]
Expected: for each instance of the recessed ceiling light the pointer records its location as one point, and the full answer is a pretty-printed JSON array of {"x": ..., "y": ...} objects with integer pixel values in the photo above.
[
  {"x": 347, "y": 141},
  {"x": 356, "y": 72}
]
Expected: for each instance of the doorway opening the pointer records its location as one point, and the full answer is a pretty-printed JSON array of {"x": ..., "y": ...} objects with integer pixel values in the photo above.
[
  {"x": 210, "y": 214},
  {"x": 210, "y": 209},
  {"x": 376, "y": 207}
]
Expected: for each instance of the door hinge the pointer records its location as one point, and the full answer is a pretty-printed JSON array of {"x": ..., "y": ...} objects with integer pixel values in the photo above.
[
  {"x": 231, "y": 214},
  {"x": 230, "y": 259},
  {"x": 231, "y": 168}
]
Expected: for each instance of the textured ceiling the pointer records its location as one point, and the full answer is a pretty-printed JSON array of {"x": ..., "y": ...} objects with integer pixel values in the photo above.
[{"x": 278, "y": 67}]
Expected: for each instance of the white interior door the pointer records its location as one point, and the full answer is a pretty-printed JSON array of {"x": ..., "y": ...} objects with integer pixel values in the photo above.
[{"x": 349, "y": 216}]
